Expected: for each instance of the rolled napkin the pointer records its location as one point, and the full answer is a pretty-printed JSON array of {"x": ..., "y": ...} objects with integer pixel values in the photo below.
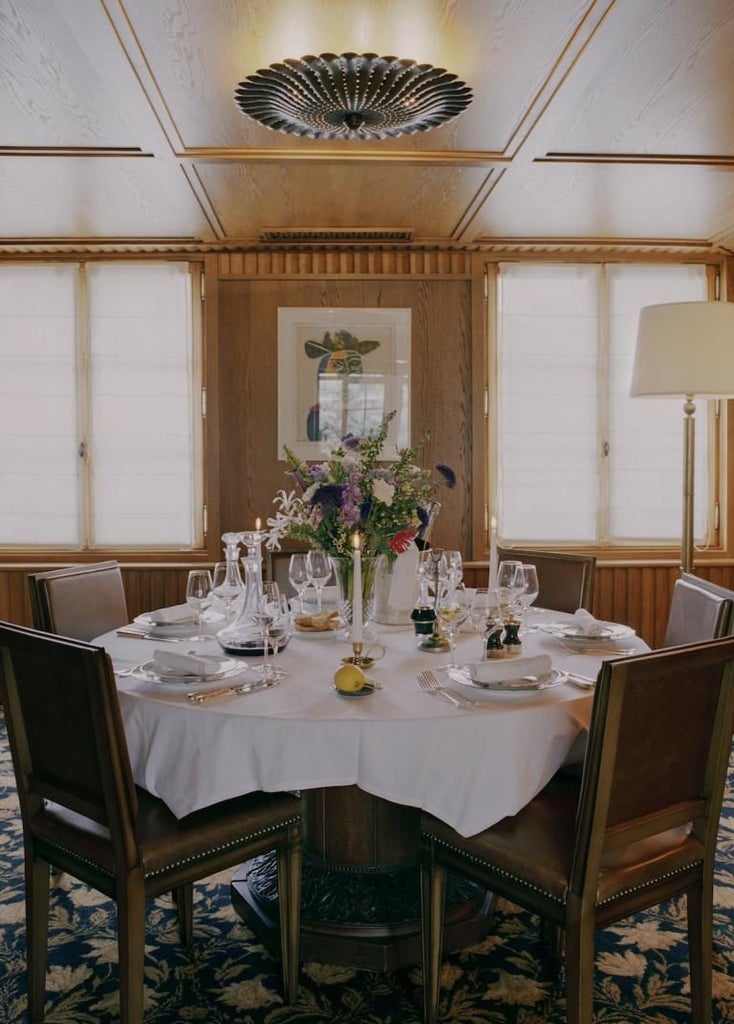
[
  {"x": 319, "y": 622},
  {"x": 171, "y": 616},
  {"x": 516, "y": 668},
  {"x": 587, "y": 623},
  {"x": 173, "y": 663}
]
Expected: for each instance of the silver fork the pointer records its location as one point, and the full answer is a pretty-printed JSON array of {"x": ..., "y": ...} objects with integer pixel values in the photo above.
[{"x": 430, "y": 684}]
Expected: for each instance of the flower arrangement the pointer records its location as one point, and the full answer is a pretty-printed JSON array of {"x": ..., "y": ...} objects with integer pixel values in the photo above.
[{"x": 350, "y": 492}]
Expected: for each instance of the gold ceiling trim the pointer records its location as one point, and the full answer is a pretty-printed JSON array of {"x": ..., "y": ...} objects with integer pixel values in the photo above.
[
  {"x": 697, "y": 248},
  {"x": 215, "y": 154},
  {"x": 85, "y": 151},
  {"x": 653, "y": 159}
]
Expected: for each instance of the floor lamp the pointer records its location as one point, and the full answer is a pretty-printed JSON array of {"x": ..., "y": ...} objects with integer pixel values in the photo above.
[{"x": 685, "y": 349}]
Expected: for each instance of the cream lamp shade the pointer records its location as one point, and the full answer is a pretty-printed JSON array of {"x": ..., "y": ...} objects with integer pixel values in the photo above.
[{"x": 685, "y": 349}]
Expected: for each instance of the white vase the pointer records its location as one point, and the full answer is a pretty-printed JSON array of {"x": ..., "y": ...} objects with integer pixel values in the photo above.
[{"x": 396, "y": 588}]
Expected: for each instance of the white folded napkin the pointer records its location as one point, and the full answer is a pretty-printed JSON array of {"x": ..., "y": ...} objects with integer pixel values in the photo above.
[
  {"x": 170, "y": 616},
  {"x": 510, "y": 668},
  {"x": 587, "y": 623},
  {"x": 171, "y": 662}
]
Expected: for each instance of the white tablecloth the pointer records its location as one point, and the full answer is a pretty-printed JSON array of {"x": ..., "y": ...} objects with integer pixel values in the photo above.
[{"x": 468, "y": 767}]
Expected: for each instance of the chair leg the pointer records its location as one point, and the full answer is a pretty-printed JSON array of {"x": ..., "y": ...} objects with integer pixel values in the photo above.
[
  {"x": 433, "y": 890},
  {"x": 579, "y": 972},
  {"x": 700, "y": 941},
  {"x": 183, "y": 897},
  {"x": 131, "y": 947},
  {"x": 289, "y": 904},
  {"x": 37, "y": 875}
]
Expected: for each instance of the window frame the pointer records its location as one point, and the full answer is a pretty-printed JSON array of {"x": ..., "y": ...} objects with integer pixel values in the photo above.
[
  {"x": 720, "y": 425},
  {"x": 28, "y": 555}
]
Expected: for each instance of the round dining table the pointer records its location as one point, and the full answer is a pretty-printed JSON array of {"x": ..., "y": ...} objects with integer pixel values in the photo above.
[{"x": 367, "y": 765}]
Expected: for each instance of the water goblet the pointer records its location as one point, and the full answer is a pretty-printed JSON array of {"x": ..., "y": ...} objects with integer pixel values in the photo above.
[
  {"x": 273, "y": 617},
  {"x": 318, "y": 568},
  {"x": 479, "y": 609},
  {"x": 453, "y": 567},
  {"x": 529, "y": 594},
  {"x": 510, "y": 584},
  {"x": 298, "y": 576},
  {"x": 451, "y": 615},
  {"x": 227, "y": 585},
  {"x": 198, "y": 595}
]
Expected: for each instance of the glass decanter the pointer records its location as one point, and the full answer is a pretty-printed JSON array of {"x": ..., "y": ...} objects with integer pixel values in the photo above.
[
  {"x": 244, "y": 635},
  {"x": 229, "y": 588}
]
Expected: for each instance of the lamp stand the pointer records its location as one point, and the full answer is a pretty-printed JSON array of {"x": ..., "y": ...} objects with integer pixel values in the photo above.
[{"x": 689, "y": 437}]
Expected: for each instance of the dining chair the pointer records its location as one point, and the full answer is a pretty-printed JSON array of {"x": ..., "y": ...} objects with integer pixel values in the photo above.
[
  {"x": 566, "y": 580},
  {"x": 638, "y": 828},
  {"x": 699, "y": 610},
  {"x": 79, "y": 601},
  {"x": 82, "y": 813}
]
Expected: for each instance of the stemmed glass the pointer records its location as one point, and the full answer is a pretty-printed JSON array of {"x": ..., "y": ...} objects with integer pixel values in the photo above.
[
  {"x": 452, "y": 567},
  {"x": 451, "y": 615},
  {"x": 227, "y": 585},
  {"x": 479, "y": 609},
  {"x": 298, "y": 576},
  {"x": 510, "y": 584},
  {"x": 529, "y": 594},
  {"x": 273, "y": 616},
  {"x": 318, "y": 568},
  {"x": 198, "y": 595}
]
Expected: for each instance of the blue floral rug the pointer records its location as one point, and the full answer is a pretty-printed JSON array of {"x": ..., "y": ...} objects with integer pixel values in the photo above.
[{"x": 228, "y": 978}]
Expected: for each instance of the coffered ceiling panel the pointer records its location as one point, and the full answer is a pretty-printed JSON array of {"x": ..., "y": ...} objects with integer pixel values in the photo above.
[
  {"x": 198, "y": 53},
  {"x": 428, "y": 200},
  {"x": 609, "y": 201}
]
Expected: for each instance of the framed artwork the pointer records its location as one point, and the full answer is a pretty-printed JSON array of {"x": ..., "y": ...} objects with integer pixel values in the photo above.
[{"x": 339, "y": 372}]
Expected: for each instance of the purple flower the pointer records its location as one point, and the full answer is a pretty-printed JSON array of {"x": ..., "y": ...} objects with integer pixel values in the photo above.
[
  {"x": 328, "y": 499},
  {"x": 351, "y": 442},
  {"x": 449, "y": 477}
]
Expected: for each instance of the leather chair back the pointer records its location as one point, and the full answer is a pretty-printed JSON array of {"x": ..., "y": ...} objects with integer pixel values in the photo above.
[
  {"x": 81, "y": 601},
  {"x": 566, "y": 581},
  {"x": 699, "y": 611},
  {"x": 82, "y": 813}
]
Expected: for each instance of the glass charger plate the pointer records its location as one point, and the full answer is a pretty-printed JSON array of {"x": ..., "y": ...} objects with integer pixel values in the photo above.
[
  {"x": 567, "y": 631},
  {"x": 523, "y": 684},
  {"x": 222, "y": 668}
]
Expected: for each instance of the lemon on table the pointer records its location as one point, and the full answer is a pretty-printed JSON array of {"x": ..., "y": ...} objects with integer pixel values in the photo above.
[{"x": 349, "y": 678}]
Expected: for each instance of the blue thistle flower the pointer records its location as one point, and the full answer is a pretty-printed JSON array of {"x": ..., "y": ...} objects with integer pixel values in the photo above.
[{"x": 449, "y": 477}]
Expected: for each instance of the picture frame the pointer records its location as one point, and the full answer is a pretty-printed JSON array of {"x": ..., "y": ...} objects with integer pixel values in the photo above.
[{"x": 339, "y": 372}]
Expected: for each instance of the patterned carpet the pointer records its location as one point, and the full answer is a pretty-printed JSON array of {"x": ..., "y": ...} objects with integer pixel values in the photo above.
[{"x": 227, "y": 977}]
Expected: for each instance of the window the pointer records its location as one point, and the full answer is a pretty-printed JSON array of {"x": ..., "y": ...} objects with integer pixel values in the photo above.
[
  {"x": 100, "y": 411},
  {"x": 579, "y": 460}
]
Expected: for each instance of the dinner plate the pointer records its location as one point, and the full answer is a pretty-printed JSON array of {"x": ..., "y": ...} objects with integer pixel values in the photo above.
[
  {"x": 221, "y": 669},
  {"x": 315, "y": 634},
  {"x": 609, "y": 631},
  {"x": 366, "y": 690},
  {"x": 520, "y": 685}
]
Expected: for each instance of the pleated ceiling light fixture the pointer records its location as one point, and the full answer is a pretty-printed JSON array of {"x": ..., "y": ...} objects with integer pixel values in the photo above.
[{"x": 352, "y": 96}]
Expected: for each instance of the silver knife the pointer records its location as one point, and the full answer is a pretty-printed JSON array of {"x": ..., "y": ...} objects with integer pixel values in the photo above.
[{"x": 202, "y": 696}]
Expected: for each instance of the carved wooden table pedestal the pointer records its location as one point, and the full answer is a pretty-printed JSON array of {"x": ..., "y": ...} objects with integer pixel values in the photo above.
[{"x": 361, "y": 889}]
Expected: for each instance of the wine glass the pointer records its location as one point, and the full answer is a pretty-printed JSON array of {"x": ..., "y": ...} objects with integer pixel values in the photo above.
[
  {"x": 479, "y": 609},
  {"x": 452, "y": 567},
  {"x": 273, "y": 616},
  {"x": 530, "y": 592},
  {"x": 198, "y": 595},
  {"x": 298, "y": 575},
  {"x": 227, "y": 585},
  {"x": 318, "y": 568},
  {"x": 451, "y": 615},
  {"x": 510, "y": 584}
]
